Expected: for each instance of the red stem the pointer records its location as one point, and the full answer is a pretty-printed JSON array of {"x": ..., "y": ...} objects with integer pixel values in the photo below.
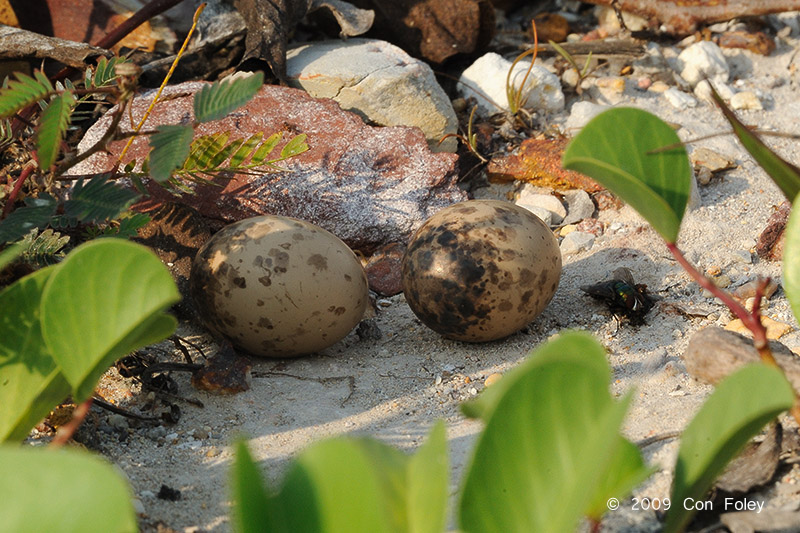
[
  {"x": 26, "y": 171},
  {"x": 66, "y": 431}
]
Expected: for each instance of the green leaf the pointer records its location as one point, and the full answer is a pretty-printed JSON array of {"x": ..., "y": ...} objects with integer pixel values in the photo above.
[
  {"x": 266, "y": 148},
  {"x": 791, "y": 259},
  {"x": 98, "y": 200},
  {"x": 613, "y": 149},
  {"x": 297, "y": 145},
  {"x": 785, "y": 175},
  {"x": 63, "y": 491},
  {"x": 225, "y": 153},
  {"x": 428, "y": 481},
  {"x": 736, "y": 411},
  {"x": 625, "y": 471},
  {"x": 9, "y": 254},
  {"x": 31, "y": 384},
  {"x": 105, "y": 300},
  {"x": 52, "y": 126},
  {"x": 36, "y": 214},
  {"x": 45, "y": 248},
  {"x": 23, "y": 92},
  {"x": 170, "y": 149},
  {"x": 251, "y": 503},
  {"x": 550, "y": 442},
  {"x": 220, "y": 98},
  {"x": 246, "y": 149}
]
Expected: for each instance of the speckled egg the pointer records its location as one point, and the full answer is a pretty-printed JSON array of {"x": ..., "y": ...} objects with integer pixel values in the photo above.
[
  {"x": 480, "y": 270},
  {"x": 278, "y": 287}
]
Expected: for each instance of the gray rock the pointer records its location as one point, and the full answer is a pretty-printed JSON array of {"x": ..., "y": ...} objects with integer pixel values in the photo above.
[
  {"x": 576, "y": 241},
  {"x": 579, "y": 206},
  {"x": 679, "y": 99},
  {"x": 530, "y": 200},
  {"x": 543, "y": 214},
  {"x": 377, "y": 81}
]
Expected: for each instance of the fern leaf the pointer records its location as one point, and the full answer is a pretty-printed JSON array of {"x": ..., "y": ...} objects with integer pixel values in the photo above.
[
  {"x": 221, "y": 156},
  {"x": 265, "y": 149},
  {"x": 170, "y": 149},
  {"x": 23, "y": 92},
  {"x": 297, "y": 145},
  {"x": 36, "y": 214},
  {"x": 198, "y": 150},
  {"x": 52, "y": 126},
  {"x": 98, "y": 200},
  {"x": 130, "y": 223},
  {"x": 45, "y": 248},
  {"x": 216, "y": 144},
  {"x": 220, "y": 98},
  {"x": 246, "y": 149}
]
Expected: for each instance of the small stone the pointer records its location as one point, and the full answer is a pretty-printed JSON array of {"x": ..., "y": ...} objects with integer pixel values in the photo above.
[
  {"x": 770, "y": 242},
  {"x": 571, "y": 78},
  {"x": 138, "y": 506},
  {"x": 543, "y": 214},
  {"x": 743, "y": 256},
  {"x": 580, "y": 115},
  {"x": 644, "y": 83},
  {"x": 225, "y": 373},
  {"x": 379, "y": 82},
  {"x": 775, "y": 329},
  {"x": 528, "y": 199},
  {"x": 679, "y": 99},
  {"x": 576, "y": 241},
  {"x": 147, "y": 494},
  {"x": 658, "y": 86},
  {"x": 746, "y": 100},
  {"x": 579, "y": 206},
  {"x": 384, "y": 270},
  {"x": 748, "y": 290},
  {"x": 118, "y": 421},
  {"x": 492, "y": 379},
  {"x": 722, "y": 281},
  {"x": 488, "y": 75},
  {"x": 703, "y": 91},
  {"x": 713, "y": 161},
  {"x": 200, "y": 434},
  {"x": 566, "y": 230},
  {"x": 591, "y": 225},
  {"x": 611, "y": 88},
  {"x": 213, "y": 452},
  {"x": 703, "y": 60},
  {"x": 714, "y": 270}
]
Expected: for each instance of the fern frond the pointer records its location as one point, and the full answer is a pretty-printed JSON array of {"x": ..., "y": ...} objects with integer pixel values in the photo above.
[
  {"x": 296, "y": 146},
  {"x": 247, "y": 148},
  {"x": 45, "y": 248},
  {"x": 98, "y": 200},
  {"x": 170, "y": 149},
  {"x": 220, "y": 98},
  {"x": 22, "y": 92},
  {"x": 266, "y": 148},
  {"x": 36, "y": 214},
  {"x": 52, "y": 126},
  {"x": 130, "y": 223}
]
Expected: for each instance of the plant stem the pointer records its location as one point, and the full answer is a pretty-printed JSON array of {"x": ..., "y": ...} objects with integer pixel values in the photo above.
[
  {"x": 66, "y": 431},
  {"x": 12, "y": 197}
]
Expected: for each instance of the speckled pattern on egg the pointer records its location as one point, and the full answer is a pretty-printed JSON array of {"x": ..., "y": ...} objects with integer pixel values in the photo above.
[
  {"x": 481, "y": 270},
  {"x": 278, "y": 287}
]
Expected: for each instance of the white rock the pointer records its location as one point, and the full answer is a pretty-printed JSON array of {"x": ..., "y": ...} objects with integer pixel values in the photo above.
[
  {"x": 746, "y": 100},
  {"x": 488, "y": 75},
  {"x": 703, "y": 60},
  {"x": 703, "y": 91},
  {"x": 580, "y": 115},
  {"x": 528, "y": 199},
  {"x": 579, "y": 206},
  {"x": 679, "y": 99},
  {"x": 576, "y": 241},
  {"x": 543, "y": 214},
  {"x": 378, "y": 81}
]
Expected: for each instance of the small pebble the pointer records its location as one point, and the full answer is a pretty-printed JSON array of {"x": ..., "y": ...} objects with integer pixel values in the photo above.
[
  {"x": 659, "y": 87},
  {"x": 644, "y": 83},
  {"x": 566, "y": 230},
  {"x": 492, "y": 379},
  {"x": 680, "y": 100},
  {"x": 138, "y": 506},
  {"x": 746, "y": 100},
  {"x": 213, "y": 452},
  {"x": 576, "y": 241}
]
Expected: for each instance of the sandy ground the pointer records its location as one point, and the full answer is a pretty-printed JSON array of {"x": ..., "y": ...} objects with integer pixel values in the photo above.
[{"x": 395, "y": 387}]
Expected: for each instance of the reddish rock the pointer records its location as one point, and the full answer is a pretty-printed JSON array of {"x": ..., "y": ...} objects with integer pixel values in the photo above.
[
  {"x": 369, "y": 186},
  {"x": 757, "y": 42},
  {"x": 384, "y": 270},
  {"x": 225, "y": 373},
  {"x": 538, "y": 161},
  {"x": 770, "y": 242}
]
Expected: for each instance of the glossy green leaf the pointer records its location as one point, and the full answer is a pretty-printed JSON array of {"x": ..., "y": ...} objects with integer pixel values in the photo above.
[
  {"x": 791, "y": 259},
  {"x": 105, "y": 300},
  {"x": 428, "y": 481},
  {"x": 52, "y": 126},
  {"x": 31, "y": 384},
  {"x": 785, "y": 175},
  {"x": 170, "y": 149},
  {"x": 613, "y": 149},
  {"x": 251, "y": 503},
  {"x": 551, "y": 438},
  {"x": 735, "y": 412},
  {"x": 62, "y": 491},
  {"x": 220, "y": 98}
]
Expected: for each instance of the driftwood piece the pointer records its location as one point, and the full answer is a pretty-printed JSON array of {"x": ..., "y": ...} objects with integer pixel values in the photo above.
[
  {"x": 22, "y": 44},
  {"x": 682, "y": 17}
]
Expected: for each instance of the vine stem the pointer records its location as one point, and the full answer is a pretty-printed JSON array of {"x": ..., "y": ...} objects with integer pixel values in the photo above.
[{"x": 66, "y": 431}]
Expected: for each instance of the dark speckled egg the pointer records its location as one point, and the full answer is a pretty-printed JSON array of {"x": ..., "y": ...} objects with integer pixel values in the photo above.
[
  {"x": 480, "y": 270},
  {"x": 278, "y": 287}
]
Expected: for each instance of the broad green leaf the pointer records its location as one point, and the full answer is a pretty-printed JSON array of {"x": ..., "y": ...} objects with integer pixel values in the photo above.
[
  {"x": 785, "y": 175},
  {"x": 170, "y": 149},
  {"x": 220, "y": 98},
  {"x": 735, "y": 412},
  {"x": 625, "y": 471},
  {"x": 297, "y": 145},
  {"x": 30, "y": 381},
  {"x": 10, "y": 253},
  {"x": 791, "y": 259},
  {"x": 62, "y": 491},
  {"x": 22, "y": 92},
  {"x": 98, "y": 200},
  {"x": 52, "y": 126},
  {"x": 613, "y": 150},
  {"x": 551, "y": 438},
  {"x": 428, "y": 481},
  {"x": 104, "y": 300},
  {"x": 36, "y": 214},
  {"x": 251, "y": 503}
]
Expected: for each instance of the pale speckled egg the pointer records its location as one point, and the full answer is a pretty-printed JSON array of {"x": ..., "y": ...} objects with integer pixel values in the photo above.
[
  {"x": 278, "y": 287},
  {"x": 481, "y": 270}
]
